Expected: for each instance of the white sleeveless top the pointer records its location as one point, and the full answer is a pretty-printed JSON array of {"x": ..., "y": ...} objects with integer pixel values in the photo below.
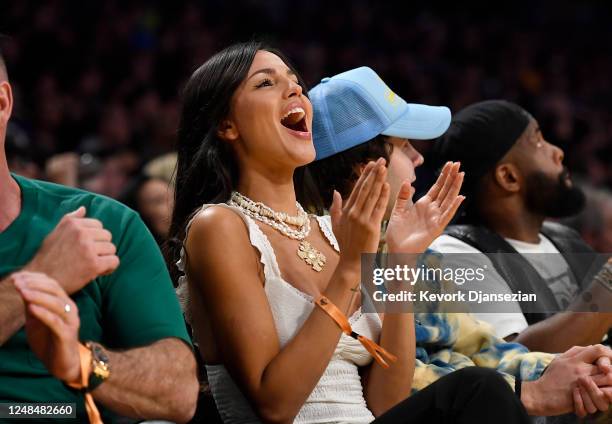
[{"x": 338, "y": 396}]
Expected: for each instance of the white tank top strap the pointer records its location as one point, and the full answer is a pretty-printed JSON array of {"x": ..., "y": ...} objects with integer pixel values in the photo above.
[{"x": 257, "y": 238}]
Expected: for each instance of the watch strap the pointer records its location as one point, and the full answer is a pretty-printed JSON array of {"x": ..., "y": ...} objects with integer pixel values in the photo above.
[{"x": 85, "y": 357}]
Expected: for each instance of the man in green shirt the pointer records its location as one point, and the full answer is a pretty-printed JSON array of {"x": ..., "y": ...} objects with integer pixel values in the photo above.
[{"x": 77, "y": 267}]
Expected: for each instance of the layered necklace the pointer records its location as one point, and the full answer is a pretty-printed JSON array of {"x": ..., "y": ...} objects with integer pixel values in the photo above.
[{"x": 282, "y": 222}]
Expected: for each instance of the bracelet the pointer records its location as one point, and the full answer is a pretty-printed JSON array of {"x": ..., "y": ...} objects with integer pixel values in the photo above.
[
  {"x": 378, "y": 353},
  {"x": 85, "y": 357}
]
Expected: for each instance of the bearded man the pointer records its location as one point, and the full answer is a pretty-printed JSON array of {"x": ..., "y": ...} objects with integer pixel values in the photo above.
[{"x": 514, "y": 181}]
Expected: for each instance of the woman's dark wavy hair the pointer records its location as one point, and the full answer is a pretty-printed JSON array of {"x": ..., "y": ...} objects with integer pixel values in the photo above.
[
  {"x": 207, "y": 170},
  {"x": 340, "y": 172}
]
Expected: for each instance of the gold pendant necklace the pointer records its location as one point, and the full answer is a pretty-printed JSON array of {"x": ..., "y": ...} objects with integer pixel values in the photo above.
[
  {"x": 309, "y": 254},
  {"x": 279, "y": 221}
]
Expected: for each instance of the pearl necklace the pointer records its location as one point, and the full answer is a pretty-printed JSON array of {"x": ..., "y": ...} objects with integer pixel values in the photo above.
[
  {"x": 254, "y": 209},
  {"x": 266, "y": 211},
  {"x": 279, "y": 221}
]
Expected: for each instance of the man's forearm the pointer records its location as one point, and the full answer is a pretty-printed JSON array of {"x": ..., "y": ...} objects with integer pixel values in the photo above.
[
  {"x": 12, "y": 313},
  {"x": 153, "y": 382},
  {"x": 577, "y": 328},
  {"x": 531, "y": 401},
  {"x": 564, "y": 330}
]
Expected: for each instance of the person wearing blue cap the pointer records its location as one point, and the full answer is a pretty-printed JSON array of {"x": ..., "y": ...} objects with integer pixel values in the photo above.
[
  {"x": 358, "y": 118},
  {"x": 356, "y": 106}
]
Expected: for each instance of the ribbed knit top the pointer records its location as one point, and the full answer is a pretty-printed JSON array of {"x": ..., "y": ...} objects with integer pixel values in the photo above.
[{"x": 338, "y": 396}]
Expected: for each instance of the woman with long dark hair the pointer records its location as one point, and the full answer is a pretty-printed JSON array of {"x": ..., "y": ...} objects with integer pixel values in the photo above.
[{"x": 270, "y": 291}]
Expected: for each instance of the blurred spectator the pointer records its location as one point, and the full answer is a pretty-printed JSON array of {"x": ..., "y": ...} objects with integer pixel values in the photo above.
[
  {"x": 113, "y": 172},
  {"x": 20, "y": 153},
  {"x": 162, "y": 167},
  {"x": 63, "y": 169},
  {"x": 153, "y": 199},
  {"x": 114, "y": 131},
  {"x": 104, "y": 78},
  {"x": 594, "y": 223}
]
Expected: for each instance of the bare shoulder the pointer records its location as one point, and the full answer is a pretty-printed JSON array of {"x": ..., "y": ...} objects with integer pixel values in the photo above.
[
  {"x": 217, "y": 222},
  {"x": 218, "y": 237}
]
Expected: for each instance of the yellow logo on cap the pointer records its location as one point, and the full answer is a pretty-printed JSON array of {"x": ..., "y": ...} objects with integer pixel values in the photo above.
[{"x": 390, "y": 95}]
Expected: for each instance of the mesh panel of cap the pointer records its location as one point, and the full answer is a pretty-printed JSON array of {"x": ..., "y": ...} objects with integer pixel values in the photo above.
[
  {"x": 349, "y": 110},
  {"x": 318, "y": 126}
]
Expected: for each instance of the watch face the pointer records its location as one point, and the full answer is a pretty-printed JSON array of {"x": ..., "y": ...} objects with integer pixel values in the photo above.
[
  {"x": 101, "y": 371},
  {"x": 99, "y": 353},
  {"x": 101, "y": 367}
]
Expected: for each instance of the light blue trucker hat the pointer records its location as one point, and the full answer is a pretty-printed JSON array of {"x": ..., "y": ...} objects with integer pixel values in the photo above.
[{"x": 355, "y": 106}]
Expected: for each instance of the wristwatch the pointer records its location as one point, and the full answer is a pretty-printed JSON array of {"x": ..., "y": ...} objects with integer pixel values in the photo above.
[{"x": 100, "y": 366}]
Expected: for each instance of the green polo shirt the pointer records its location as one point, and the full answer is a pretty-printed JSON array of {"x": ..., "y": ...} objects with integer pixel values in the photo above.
[{"x": 134, "y": 306}]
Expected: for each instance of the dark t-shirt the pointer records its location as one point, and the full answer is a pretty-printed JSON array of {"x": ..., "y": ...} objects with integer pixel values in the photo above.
[{"x": 134, "y": 306}]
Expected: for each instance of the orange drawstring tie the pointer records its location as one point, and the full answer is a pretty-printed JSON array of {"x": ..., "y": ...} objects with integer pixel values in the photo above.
[
  {"x": 378, "y": 352},
  {"x": 90, "y": 405}
]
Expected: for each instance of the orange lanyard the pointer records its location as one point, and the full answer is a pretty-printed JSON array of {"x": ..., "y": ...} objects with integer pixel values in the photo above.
[
  {"x": 90, "y": 405},
  {"x": 378, "y": 353}
]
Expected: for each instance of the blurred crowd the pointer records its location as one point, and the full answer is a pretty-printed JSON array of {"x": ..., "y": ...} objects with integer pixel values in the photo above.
[{"x": 97, "y": 84}]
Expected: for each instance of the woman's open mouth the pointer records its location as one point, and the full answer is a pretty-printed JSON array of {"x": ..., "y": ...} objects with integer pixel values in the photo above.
[{"x": 295, "y": 120}]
